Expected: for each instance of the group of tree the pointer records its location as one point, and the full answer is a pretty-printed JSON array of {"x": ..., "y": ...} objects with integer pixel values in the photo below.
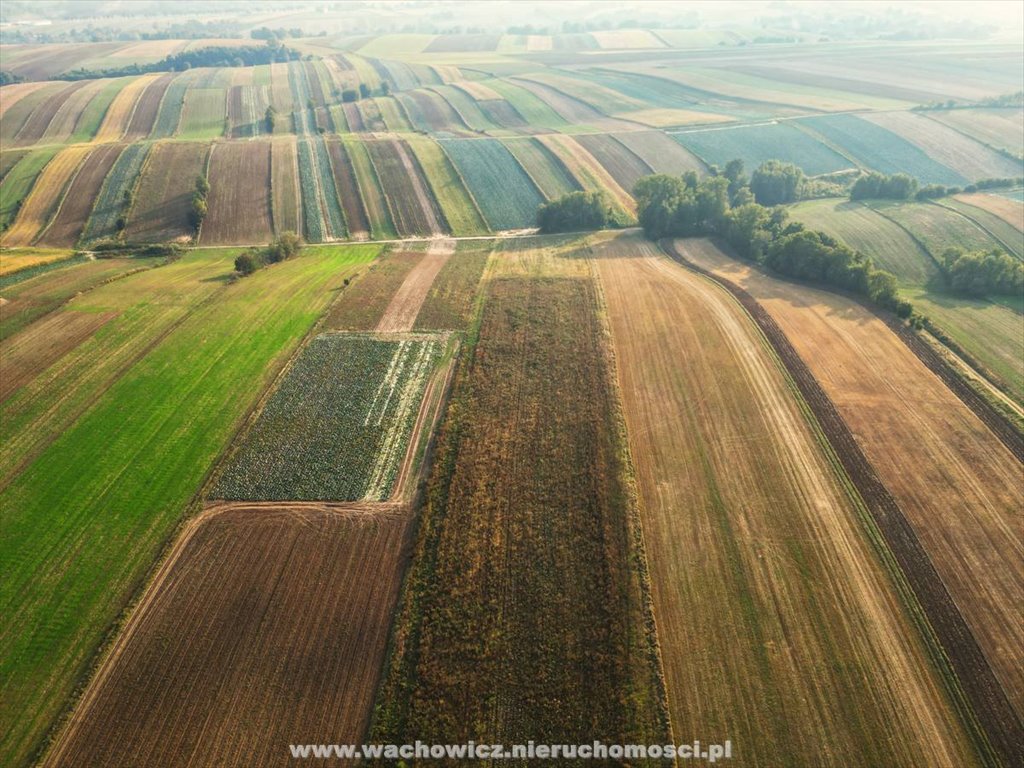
[
  {"x": 983, "y": 273},
  {"x": 575, "y": 212},
  {"x": 725, "y": 205},
  {"x": 9, "y": 78},
  {"x": 875, "y": 186},
  {"x": 197, "y": 211},
  {"x": 1015, "y": 99},
  {"x": 285, "y": 247},
  {"x": 349, "y": 95},
  {"x": 210, "y": 56}
]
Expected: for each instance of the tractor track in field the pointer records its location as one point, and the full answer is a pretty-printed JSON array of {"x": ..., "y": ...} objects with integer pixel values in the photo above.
[{"x": 1000, "y": 725}]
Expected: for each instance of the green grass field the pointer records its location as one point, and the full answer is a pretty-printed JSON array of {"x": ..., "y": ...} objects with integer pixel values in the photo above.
[
  {"x": 936, "y": 227},
  {"x": 19, "y": 180},
  {"x": 863, "y": 228},
  {"x": 89, "y": 515},
  {"x": 1004, "y": 233},
  {"x": 757, "y": 143}
]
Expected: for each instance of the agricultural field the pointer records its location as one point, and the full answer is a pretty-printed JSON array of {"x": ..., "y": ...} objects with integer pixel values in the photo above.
[
  {"x": 239, "y": 181},
  {"x": 449, "y": 303},
  {"x": 82, "y": 192},
  {"x": 326, "y": 580},
  {"x": 1009, "y": 210},
  {"x": 412, "y": 206},
  {"x": 509, "y": 526},
  {"x": 123, "y": 516},
  {"x": 365, "y": 388},
  {"x": 371, "y": 292},
  {"x": 860, "y": 226},
  {"x": 436, "y": 475},
  {"x": 18, "y": 181},
  {"x": 757, "y": 143},
  {"x": 163, "y": 197},
  {"x": 956, "y": 483},
  {"x": 46, "y": 195},
  {"x": 110, "y": 203},
  {"x": 544, "y": 169},
  {"x": 1000, "y": 128},
  {"x": 460, "y": 210},
  {"x": 724, "y": 456},
  {"x": 872, "y": 146}
]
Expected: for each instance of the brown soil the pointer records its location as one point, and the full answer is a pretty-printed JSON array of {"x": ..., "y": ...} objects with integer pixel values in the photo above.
[{"x": 401, "y": 313}]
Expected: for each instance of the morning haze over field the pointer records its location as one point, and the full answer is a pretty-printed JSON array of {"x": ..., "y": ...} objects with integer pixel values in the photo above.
[{"x": 615, "y": 383}]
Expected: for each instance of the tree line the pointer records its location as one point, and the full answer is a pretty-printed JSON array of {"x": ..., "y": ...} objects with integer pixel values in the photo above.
[
  {"x": 211, "y": 56},
  {"x": 982, "y": 273},
  {"x": 735, "y": 209}
]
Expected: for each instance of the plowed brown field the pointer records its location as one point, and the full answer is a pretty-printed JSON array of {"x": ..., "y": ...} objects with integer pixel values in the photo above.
[
  {"x": 779, "y": 627},
  {"x": 240, "y": 194},
  {"x": 404, "y": 307},
  {"x": 67, "y": 225},
  {"x": 265, "y": 627}
]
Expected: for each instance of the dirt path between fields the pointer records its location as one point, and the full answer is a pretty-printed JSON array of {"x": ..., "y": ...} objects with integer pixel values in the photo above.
[{"x": 404, "y": 307}]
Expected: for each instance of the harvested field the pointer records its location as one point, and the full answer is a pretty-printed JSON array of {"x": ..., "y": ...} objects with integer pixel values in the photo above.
[
  {"x": 570, "y": 109},
  {"x": 82, "y": 194},
  {"x": 673, "y": 118},
  {"x": 1008, "y": 237},
  {"x": 956, "y": 483},
  {"x": 755, "y": 144},
  {"x": 22, "y": 259},
  {"x": 1003, "y": 128},
  {"x": 17, "y": 114},
  {"x": 459, "y": 208},
  {"x": 110, "y": 202},
  {"x": 507, "y": 196},
  {"x": 287, "y": 204},
  {"x": 414, "y": 210},
  {"x": 872, "y": 146},
  {"x": 1010, "y": 211},
  {"x": 594, "y": 95},
  {"x": 523, "y": 617},
  {"x": 89, "y": 121},
  {"x": 247, "y": 106},
  {"x": 19, "y": 181},
  {"x": 749, "y": 528},
  {"x": 589, "y": 173},
  {"x": 947, "y": 146},
  {"x": 15, "y": 92},
  {"x": 624, "y": 166},
  {"x": 660, "y": 152},
  {"x": 468, "y": 109},
  {"x": 544, "y": 169},
  {"x": 284, "y": 611},
  {"x": 240, "y": 194},
  {"x": 147, "y": 107},
  {"x": 120, "y": 114},
  {"x": 365, "y": 388},
  {"x": 450, "y": 301},
  {"x": 367, "y": 298},
  {"x": 500, "y": 112},
  {"x": 38, "y": 121},
  {"x": 404, "y": 308},
  {"x": 533, "y": 110},
  {"x": 131, "y": 500},
  {"x": 348, "y": 190},
  {"x": 70, "y": 112},
  {"x": 45, "y": 197},
  {"x": 353, "y": 118},
  {"x": 164, "y": 195},
  {"x": 25, "y": 355}
]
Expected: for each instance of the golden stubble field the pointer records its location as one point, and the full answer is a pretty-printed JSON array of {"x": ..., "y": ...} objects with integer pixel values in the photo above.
[
  {"x": 957, "y": 484},
  {"x": 779, "y": 627}
]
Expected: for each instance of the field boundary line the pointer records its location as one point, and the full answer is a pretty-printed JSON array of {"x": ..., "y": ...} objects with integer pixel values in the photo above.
[{"x": 990, "y": 717}]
